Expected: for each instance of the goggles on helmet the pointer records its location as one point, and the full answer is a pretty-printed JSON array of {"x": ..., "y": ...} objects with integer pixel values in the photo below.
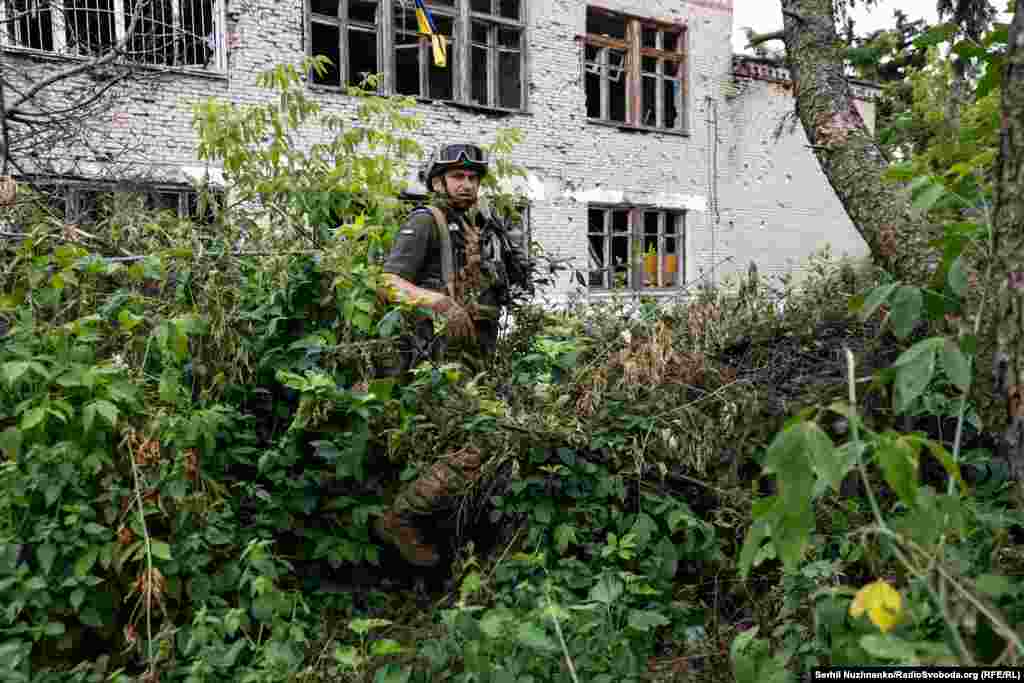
[{"x": 453, "y": 154}]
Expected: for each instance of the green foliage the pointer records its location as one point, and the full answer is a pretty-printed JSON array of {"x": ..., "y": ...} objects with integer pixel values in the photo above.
[
  {"x": 597, "y": 599},
  {"x": 183, "y": 430},
  {"x": 912, "y": 528}
]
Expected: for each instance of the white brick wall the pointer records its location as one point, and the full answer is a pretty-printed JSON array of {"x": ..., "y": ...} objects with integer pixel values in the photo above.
[{"x": 569, "y": 159}]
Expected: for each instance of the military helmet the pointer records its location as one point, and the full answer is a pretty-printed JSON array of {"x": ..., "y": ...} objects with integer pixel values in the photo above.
[{"x": 448, "y": 157}]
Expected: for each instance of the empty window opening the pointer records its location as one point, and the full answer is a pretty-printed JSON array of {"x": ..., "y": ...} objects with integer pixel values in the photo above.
[
  {"x": 634, "y": 72},
  {"x": 484, "y": 56},
  {"x": 326, "y": 42},
  {"x": 602, "y": 23},
  {"x": 497, "y": 56},
  {"x": 347, "y": 34}
]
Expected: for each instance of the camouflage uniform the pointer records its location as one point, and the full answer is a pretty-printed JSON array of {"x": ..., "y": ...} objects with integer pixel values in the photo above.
[{"x": 480, "y": 287}]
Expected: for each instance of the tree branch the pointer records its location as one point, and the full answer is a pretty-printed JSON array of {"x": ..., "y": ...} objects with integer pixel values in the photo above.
[
  {"x": 92, "y": 65},
  {"x": 24, "y": 116},
  {"x": 755, "y": 39}
]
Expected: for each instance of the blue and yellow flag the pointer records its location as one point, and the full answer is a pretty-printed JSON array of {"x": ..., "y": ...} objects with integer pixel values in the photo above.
[{"x": 428, "y": 28}]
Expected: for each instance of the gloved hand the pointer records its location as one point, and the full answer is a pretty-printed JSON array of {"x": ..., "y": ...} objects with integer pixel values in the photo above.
[{"x": 460, "y": 324}]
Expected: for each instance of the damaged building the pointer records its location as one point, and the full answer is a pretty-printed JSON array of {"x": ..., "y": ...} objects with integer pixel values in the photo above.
[{"x": 642, "y": 129}]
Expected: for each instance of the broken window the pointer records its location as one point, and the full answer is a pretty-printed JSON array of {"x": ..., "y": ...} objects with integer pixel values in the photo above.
[
  {"x": 483, "y": 64},
  {"x": 86, "y": 203},
  {"x": 345, "y": 32},
  {"x": 634, "y": 71},
  {"x": 632, "y": 248},
  {"x": 416, "y": 72},
  {"x": 497, "y": 54},
  {"x": 179, "y": 33}
]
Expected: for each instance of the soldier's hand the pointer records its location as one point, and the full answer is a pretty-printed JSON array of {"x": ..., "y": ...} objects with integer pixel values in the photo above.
[{"x": 460, "y": 324}]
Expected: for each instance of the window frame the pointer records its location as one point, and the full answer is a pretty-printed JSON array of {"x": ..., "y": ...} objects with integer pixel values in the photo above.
[
  {"x": 58, "y": 22},
  {"x": 636, "y": 236},
  {"x": 460, "y": 51},
  {"x": 73, "y": 193},
  {"x": 634, "y": 53}
]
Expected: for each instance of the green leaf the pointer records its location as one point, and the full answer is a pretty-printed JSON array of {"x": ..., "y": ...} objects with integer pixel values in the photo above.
[
  {"x": 643, "y": 529},
  {"x": 160, "y": 550},
  {"x": 680, "y": 516},
  {"x": 927, "y": 197},
  {"x": 756, "y": 535},
  {"x": 957, "y": 277},
  {"x": 393, "y": 673},
  {"x": 108, "y": 410},
  {"x": 77, "y": 598},
  {"x": 930, "y": 345},
  {"x": 493, "y": 623},
  {"x": 382, "y": 388},
  {"x": 86, "y": 561},
  {"x": 564, "y": 535},
  {"x": 46, "y": 554},
  {"x": 54, "y": 629},
  {"x": 948, "y": 463},
  {"x": 470, "y": 586},
  {"x": 88, "y": 416},
  {"x": 383, "y": 648},
  {"x": 788, "y": 457},
  {"x": 889, "y": 647},
  {"x": 534, "y": 637},
  {"x": 935, "y": 35},
  {"x": 10, "y": 443},
  {"x": 905, "y": 310},
  {"x": 364, "y": 626},
  {"x": 827, "y": 462},
  {"x": 646, "y": 620},
  {"x": 912, "y": 379},
  {"x": 993, "y": 585},
  {"x": 898, "y": 458},
  {"x": 956, "y": 365},
  {"x": 33, "y": 418},
  {"x": 348, "y": 656},
  {"x": 170, "y": 385},
  {"x": 14, "y": 370},
  {"x": 879, "y": 295},
  {"x": 607, "y": 590},
  {"x": 792, "y": 533}
]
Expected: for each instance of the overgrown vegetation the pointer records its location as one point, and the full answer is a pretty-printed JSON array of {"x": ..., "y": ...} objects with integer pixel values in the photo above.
[{"x": 196, "y": 435}]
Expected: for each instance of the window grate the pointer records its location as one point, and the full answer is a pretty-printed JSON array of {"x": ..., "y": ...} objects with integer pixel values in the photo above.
[{"x": 170, "y": 33}]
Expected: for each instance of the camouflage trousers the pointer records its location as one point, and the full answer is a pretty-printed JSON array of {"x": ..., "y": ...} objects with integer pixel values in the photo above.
[{"x": 440, "y": 487}]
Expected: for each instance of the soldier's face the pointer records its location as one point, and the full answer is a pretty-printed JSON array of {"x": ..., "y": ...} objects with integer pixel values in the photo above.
[{"x": 463, "y": 187}]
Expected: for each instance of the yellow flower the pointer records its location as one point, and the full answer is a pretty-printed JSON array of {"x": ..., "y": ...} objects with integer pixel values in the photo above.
[{"x": 882, "y": 603}]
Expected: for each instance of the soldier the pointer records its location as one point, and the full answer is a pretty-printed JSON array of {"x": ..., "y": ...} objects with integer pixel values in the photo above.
[{"x": 450, "y": 258}]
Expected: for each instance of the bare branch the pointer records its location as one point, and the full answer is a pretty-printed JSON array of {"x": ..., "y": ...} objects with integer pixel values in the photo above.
[
  {"x": 755, "y": 39},
  {"x": 26, "y": 115},
  {"x": 91, "y": 65}
]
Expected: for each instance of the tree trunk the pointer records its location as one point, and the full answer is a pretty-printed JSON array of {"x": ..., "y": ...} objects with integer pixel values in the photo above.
[
  {"x": 1001, "y": 384},
  {"x": 846, "y": 151},
  {"x": 882, "y": 214}
]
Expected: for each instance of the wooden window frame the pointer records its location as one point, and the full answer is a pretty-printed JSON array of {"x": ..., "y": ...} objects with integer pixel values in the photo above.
[
  {"x": 636, "y": 237},
  {"x": 634, "y": 53},
  {"x": 72, "y": 191},
  {"x": 459, "y": 50}
]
